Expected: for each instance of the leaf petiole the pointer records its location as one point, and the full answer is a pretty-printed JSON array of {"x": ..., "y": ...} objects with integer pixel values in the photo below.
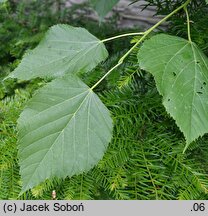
[
  {"x": 140, "y": 40},
  {"x": 188, "y": 24},
  {"x": 122, "y": 35}
]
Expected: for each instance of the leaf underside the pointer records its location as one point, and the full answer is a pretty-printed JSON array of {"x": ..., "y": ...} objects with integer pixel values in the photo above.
[
  {"x": 180, "y": 70},
  {"x": 65, "y": 49},
  {"x": 64, "y": 130}
]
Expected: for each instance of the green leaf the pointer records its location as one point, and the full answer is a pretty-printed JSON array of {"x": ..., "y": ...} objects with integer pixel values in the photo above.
[
  {"x": 65, "y": 49},
  {"x": 207, "y": 1},
  {"x": 180, "y": 70},
  {"x": 102, "y": 7},
  {"x": 64, "y": 130}
]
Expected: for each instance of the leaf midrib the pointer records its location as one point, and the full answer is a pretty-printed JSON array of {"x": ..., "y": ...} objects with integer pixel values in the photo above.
[
  {"x": 71, "y": 62},
  {"x": 57, "y": 138}
]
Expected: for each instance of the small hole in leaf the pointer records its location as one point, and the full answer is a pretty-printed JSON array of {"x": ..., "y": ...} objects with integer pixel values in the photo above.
[
  {"x": 201, "y": 87},
  {"x": 199, "y": 92},
  {"x": 197, "y": 62},
  {"x": 168, "y": 99},
  {"x": 174, "y": 74},
  {"x": 204, "y": 83}
]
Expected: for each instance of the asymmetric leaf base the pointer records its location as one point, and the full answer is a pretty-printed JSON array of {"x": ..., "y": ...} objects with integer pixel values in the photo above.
[
  {"x": 64, "y": 130},
  {"x": 180, "y": 70}
]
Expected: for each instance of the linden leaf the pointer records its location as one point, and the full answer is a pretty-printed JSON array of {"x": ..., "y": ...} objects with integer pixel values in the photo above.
[
  {"x": 180, "y": 70},
  {"x": 64, "y": 130},
  {"x": 65, "y": 49}
]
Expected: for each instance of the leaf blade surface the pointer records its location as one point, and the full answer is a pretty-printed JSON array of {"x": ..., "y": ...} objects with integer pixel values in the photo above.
[
  {"x": 180, "y": 70},
  {"x": 64, "y": 130},
  {"x": 65, "y": 49}
]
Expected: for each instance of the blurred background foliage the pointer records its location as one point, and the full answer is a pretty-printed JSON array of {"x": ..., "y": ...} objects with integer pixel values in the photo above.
[
  {"x": 144, "y": 159},
  {"x": 198, "y": 10}
]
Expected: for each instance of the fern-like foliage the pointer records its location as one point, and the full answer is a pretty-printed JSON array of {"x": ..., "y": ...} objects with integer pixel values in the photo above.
[
  {"x": 10, "y": 185},
  {"x": 149, "y": 162},
  {"x": 144, "y": 159},
  {"x": 198, "y": 19}
]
